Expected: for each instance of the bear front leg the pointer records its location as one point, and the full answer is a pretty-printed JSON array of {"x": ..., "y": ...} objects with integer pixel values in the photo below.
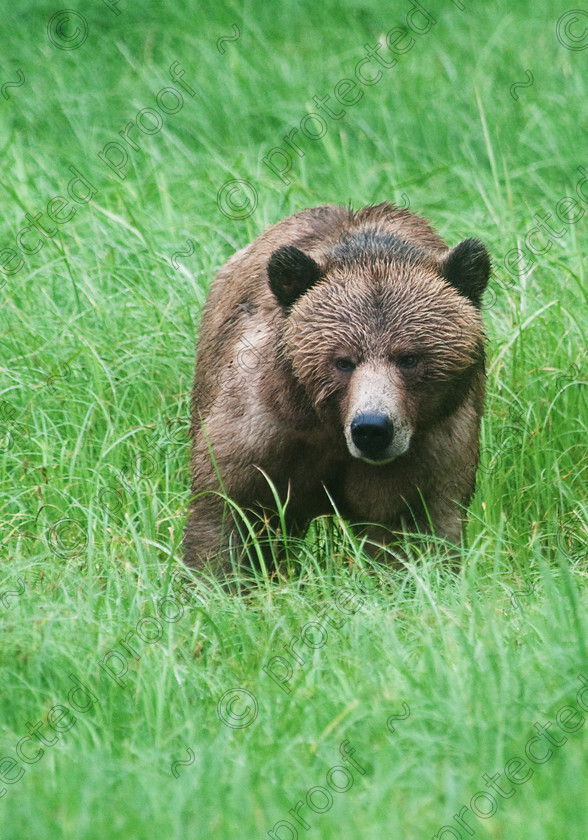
[
  {"x": 213, "y": 538},
  {"x": 209, "y": 532},
  {"x": 382, "y": 544},
  {"x": 387, "y": 544}
]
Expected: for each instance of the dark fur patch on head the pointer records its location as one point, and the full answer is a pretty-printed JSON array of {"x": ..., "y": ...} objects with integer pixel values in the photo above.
[{"x": 367, "y": 247}]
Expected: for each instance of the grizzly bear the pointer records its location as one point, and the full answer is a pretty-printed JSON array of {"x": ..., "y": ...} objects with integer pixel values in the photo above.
[{"x": 341, "y": 356}]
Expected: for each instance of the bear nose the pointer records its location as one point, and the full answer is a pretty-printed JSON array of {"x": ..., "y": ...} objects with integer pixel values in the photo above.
[{"x": 372, "y": 433}]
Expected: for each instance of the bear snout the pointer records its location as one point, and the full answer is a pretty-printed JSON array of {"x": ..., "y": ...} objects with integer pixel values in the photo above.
[{"x": 372, "y": 435}]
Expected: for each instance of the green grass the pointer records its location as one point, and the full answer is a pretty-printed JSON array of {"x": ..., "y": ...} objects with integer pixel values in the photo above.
[{"x": 97, "y": 336}]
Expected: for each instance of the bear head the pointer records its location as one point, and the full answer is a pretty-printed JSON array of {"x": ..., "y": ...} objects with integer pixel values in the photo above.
[{"x": 385, "y": 338}]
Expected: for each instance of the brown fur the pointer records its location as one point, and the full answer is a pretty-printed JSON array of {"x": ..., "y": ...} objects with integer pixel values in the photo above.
[{"x": 268, "y": 395}]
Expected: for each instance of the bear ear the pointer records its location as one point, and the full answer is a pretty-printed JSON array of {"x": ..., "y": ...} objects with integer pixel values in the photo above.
[
  {"x": 291, "y": 273},
  {"x": 467, "y": 268}
]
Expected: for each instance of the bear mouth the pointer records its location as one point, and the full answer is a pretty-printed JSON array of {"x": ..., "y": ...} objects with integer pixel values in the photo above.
[{"x": 373, "y": 461}]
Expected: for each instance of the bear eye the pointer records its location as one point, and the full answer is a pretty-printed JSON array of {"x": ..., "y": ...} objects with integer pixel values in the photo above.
[
  {"x": 345, "y": 364},
  {"x": 407, "y": 361}
]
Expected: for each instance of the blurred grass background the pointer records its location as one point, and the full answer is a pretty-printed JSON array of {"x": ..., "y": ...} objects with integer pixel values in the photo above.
[{"x": 97, "y": 336}]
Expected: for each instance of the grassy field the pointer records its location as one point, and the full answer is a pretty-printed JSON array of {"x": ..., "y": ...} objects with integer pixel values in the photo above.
[{"x": 138, "y": 151}]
